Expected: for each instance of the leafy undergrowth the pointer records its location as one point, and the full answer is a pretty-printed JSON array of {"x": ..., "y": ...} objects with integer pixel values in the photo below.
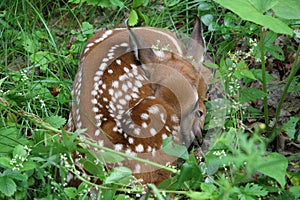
[{"x": 250, "y": 145}]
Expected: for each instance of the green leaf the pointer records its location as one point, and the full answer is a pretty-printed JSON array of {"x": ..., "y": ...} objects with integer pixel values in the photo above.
[
  {"x": 189, "y": 171},
  {"x": 295, "y": 190},
  {"x": 247, "y": 11},
  {"x": 270, "y": 163},
  {"x": 133, "y": 18},
  {"x": 71, "y": 192},
  {"x": 173, "y": 149},
  {"x": 290, "y": 127},
  {"x": 5, "y": 162},
  {"x": 29, "y": 165},
  {"x": 200, "y": 195},
  {"x": 211, "y": 65},
  {"x": 251, "y": 94},
  {"x": 56, "y": 121},
  {"x": 87, "y": 28},
  {"x": 117, "y": 174},
  {"x": 7, "y": 186},
  {"x": 243, "y": 71},
  {"x": 143, "y": 17},
  {"x": 254, "y": 190},
  {"x": 107, "y": 157},
  {"x": 263, "y": 5},
  {"x": 117, "y": 3},
  {"x": 137, "y": 3},
  {"x": 19, "y": 151},
  {"x": 258, "y": 74},
  {"x": 288, "y": 9},
  {"x": 42, "y": 58},
  {"x": 207, "y": 19},
  {"x": 269, "y": 45}
]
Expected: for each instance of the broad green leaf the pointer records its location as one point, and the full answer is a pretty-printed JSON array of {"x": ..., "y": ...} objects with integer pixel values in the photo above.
[
  {"x": 29, "y": 165},
  {"x": 5, "y": 162},
  {"x": 263, "y": 5},
  {"x": 207, "y": 19},
  {"x": 288, "y": 9},
  {"x": 133, "y": 18},
  {"x": 173, "y": 149},
  {"x": 295, "y": 190},
  {"x": 56, "y": 121},
  {"x": 71, "y": 192},
  {"x": 246, "y": 11},
  {"x": 7, "y": 186},
  {"x": 275, "y": 161},
  {"x": 117, "y": 174},
  {"x": 251, "y": 94}
]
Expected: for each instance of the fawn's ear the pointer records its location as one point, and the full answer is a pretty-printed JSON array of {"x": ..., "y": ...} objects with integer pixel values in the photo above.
[
  {"x": 196, "y": 46},
  {"x": 141, "y": 49}
]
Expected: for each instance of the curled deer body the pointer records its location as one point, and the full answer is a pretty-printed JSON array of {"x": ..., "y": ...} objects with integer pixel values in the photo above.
[{"x": 137, "y": 86}]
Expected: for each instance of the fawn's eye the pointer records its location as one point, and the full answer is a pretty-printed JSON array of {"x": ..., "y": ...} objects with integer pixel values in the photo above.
[{"x": 199, "y": 113}]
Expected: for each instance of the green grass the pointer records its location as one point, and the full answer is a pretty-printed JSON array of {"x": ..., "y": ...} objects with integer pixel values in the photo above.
[{"x": 40, "y": 43}]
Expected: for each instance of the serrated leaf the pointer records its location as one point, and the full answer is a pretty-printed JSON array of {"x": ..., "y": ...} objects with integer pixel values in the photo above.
[
  {"x": 254, "y": 190},
  {"x": 275, "y": 161},
  {"x": 173, "y": 149},
  {"x": 7, "y": 186},
  {"x": 288, "y": 9},
  {"x": 247, "y": 11},
  {"x": 117, "y": 174},
  {"x": 133, "y": 18},
  {"x": 251, "y": 94},
  {"x": 56, "y": 121},
  {"x": 290, "y": 127}
]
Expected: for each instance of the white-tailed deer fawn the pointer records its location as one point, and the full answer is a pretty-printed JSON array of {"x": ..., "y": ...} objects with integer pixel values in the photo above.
[{"x": 134, "y": 88}]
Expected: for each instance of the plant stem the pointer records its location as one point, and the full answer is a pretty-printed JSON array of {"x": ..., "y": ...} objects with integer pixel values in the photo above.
[
  {"x": 264, "y": 77},
  {"x": 295, "y": 68}
]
